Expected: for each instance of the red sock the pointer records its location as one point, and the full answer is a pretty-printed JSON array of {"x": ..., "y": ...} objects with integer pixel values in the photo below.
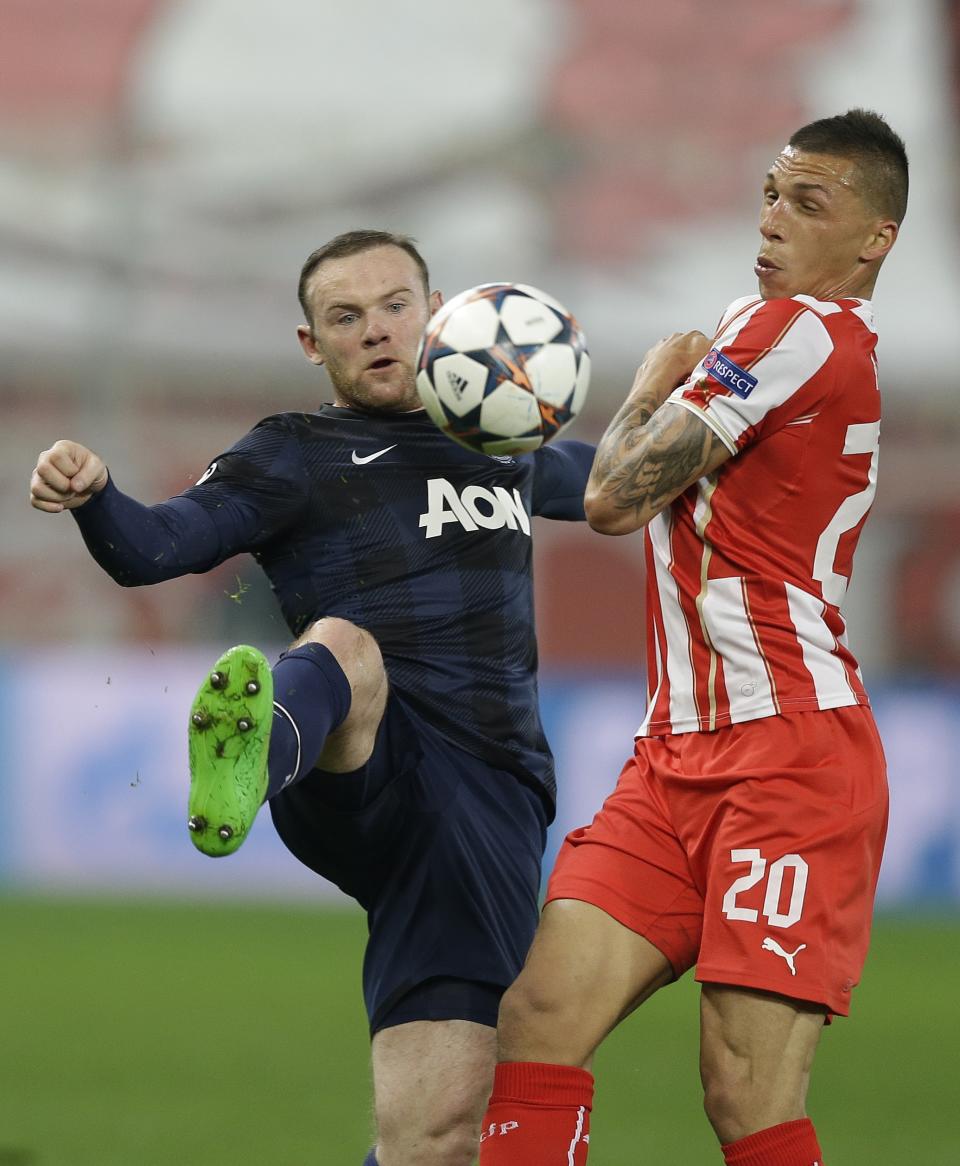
[
  {"x": 539, "y": 1115},
  {"x": 792, "y": 1144}
]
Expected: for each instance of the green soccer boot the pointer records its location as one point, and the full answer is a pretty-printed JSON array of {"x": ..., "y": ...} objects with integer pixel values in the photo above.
[{"x": 228, "y": 737}]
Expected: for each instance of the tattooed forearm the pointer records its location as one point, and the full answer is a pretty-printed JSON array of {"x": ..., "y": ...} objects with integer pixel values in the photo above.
[
  {"x": 622, "y": 435},
  {"x": 645, "y": 459}
]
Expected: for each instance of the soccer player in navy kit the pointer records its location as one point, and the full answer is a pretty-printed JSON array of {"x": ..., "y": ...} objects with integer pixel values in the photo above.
[{"x": 398, "y": 740}]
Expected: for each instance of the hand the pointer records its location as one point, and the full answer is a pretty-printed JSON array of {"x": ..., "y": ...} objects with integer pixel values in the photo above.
[
  {"x": 671, "y": 360},
  {"x": 66, "y": 476}
]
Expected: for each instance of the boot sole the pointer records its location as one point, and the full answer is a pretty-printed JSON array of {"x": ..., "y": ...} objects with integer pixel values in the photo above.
[{"x": 228, "y": 741}]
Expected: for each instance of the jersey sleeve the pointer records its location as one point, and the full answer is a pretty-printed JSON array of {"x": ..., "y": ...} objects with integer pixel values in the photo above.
[
  {"x": 761, "y": 373},
  {"x": 247, "y": 496},
  {"x": 560, "y": 479}
]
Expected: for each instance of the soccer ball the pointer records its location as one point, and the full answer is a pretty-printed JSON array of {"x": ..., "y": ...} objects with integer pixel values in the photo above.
[{"x": 502, "y": 368}]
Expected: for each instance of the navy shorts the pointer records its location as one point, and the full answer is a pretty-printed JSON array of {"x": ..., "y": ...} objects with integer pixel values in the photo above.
[{"x": 443, "y": 851}]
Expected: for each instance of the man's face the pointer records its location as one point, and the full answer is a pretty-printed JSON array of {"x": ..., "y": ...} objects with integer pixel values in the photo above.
[
  {"x": 369, "y": 311},
  {"x": 820, "y": 238}
]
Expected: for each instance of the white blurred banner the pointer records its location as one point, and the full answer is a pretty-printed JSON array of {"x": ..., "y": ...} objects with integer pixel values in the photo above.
[{"x": 93, "y": 779}]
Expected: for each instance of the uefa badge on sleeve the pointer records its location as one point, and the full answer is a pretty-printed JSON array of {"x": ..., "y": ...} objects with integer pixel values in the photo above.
[{"x": 729, "y": 374}]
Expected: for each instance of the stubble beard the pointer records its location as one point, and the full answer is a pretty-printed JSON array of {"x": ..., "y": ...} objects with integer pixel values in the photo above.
[{"x": 353, "y": 394}]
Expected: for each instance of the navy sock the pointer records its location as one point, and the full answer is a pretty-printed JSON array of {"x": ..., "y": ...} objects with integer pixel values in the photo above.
[
  {"x": 371, "y": 1159},
  {"x": 311, "y": 698}
]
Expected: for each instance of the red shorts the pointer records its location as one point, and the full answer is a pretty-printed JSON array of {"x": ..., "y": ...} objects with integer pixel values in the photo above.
[{"x": 752, "y": 851}]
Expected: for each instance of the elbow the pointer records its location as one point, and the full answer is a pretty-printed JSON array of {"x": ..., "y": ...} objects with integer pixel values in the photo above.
[
  {"x": 606, "y": 523},
  {"x": 606, "y": 518},
  {"x": 123, "y": 576}
]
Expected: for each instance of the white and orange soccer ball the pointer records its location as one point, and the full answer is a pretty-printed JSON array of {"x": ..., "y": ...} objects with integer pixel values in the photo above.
[{"x": 503, "y": 368}]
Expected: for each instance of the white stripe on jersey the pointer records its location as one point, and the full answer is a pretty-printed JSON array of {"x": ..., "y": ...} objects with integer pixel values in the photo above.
[
  {"x": 701, "y": 520},
  {"x": 654, "y": 696},
  {"x": 821, "y": 307},
  {"x": 744, "y": 668},
  {"x": 683, "y": 705},
  {"x": 818, "y": 644},
  {"x": 844, "y": 642},
  {"x": 860, "y": 438},
  {"x": 808, "y": 335},
  {"x": 750, "y": 303},
  {"x": 865, "y": 312}
]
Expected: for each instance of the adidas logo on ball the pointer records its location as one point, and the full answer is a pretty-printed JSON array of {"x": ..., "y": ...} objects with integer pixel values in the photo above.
[{"x": 457, "y": 383}]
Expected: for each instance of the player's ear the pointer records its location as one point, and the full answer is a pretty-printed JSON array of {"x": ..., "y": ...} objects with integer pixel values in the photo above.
[
  {"x": 436, "y": 302},
  {"x": 309, "y": 344},
  {"x": 882, "y": 238}
]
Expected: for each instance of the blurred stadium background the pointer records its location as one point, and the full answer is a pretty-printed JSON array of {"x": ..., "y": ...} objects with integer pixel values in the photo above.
[{"x": 165, "y": 166}]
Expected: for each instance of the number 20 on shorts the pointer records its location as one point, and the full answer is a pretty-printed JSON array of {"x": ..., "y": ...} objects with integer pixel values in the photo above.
[{"x": 774, "y": 875}]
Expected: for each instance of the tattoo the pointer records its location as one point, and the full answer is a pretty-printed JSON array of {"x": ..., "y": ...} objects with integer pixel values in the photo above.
[{"x": 649, "y": 456}]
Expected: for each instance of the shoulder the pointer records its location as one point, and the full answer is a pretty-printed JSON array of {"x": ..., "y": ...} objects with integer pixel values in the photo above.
[
  {"x": 765, "y": 351},
  {"x": 276, "y": 425},
  {"x": 740, "y": 306},
  {"x": 755, "y": 328},
  {"x": 290, "y": 423},
  {"x": 264, "y": 440},
  {"x": 779, "y": 315},
  {"x": 268, "y": 450},
  {"x": 775, "y": 313},
  {"x": 300, "y": 429}
]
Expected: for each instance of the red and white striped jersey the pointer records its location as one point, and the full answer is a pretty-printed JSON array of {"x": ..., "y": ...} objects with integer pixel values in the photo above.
[{"x": 747, "y": 570}]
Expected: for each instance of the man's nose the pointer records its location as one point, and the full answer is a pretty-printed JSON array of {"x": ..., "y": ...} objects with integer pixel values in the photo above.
[
  {"x": 771, "y": 222},
  {"x": 376, "y": 330}
]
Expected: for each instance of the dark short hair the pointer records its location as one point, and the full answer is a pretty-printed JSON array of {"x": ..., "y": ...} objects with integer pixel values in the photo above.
[
  {"x": 877, "y": 151},
  {"x": 353, "y": 243}
]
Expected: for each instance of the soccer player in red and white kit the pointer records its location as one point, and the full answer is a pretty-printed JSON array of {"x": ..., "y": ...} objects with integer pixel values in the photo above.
[{"x": 745, "y": 833}]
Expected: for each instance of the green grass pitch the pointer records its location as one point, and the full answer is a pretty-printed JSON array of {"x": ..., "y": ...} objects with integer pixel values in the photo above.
[{"x": 144, "y": 1033}]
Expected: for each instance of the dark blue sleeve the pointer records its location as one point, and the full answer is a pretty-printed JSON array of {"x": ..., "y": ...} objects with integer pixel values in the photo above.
[
  {"x": 137, "y": 544},
  {"x": 560, "y": 478},
  {"x": 247, "y": 496}
]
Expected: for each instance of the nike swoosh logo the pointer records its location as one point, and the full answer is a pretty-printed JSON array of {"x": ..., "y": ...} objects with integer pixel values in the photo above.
[{"x": 362, "y": 461}]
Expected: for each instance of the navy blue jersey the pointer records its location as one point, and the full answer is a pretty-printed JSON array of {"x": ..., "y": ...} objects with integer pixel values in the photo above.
[{"x": 381, "y": 520}]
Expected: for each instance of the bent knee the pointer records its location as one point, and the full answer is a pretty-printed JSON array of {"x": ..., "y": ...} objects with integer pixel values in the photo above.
[
  {"x": 356, "y": 651},
  {"x": 345, "y": 640},
  {"x": 538, "y": 1023},
  {"x": 529, "y": 1000}
]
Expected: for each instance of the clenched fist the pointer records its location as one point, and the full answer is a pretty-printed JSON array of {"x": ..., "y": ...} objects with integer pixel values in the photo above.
[{"x": 67, "y": 475}]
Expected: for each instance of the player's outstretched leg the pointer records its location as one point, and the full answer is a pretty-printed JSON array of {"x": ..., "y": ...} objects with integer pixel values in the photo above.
[{"x": 229, "y": 740}]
